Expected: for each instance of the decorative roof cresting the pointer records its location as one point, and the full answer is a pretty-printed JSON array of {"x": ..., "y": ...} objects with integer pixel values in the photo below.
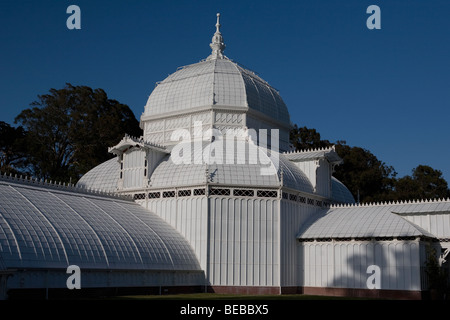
[{"x": 217, "y": 44}]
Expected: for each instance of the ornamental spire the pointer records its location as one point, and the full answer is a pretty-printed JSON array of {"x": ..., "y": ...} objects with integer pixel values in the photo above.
[{"x": 217, "y": 44}]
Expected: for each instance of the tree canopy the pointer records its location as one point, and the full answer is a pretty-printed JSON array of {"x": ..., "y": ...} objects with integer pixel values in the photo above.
[
  {"x": 68, "y": 131},
  {"x": 12, "y": 148},
  {"x": 367, "y": 178},
  {"x": 304, "y": 138},
  {"x": 424, "y": 183}
]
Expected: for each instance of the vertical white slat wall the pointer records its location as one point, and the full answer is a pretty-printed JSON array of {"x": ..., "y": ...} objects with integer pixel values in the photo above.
[
  {"x": 188, "y": 216},
  {"x": 154, "y": 159},
  {"x": 323, "y": 178},
  {"x": 437, "y": 223},
  {"x": 319, "y": 173},
  {"x": 244, "y": 245},
  {"x": 344, "y": 264},
  {"x": 133, "y": 168},
  {"x": 293, "y": 215}
]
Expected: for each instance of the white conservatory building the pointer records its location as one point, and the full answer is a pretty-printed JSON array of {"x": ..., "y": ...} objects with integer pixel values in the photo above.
[{"x": 211, "y": 199}]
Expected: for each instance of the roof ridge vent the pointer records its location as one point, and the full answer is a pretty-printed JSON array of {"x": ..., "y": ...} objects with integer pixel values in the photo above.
[
  {"x": 330, "y": 148},
  {"x": 392, "y": 202}
]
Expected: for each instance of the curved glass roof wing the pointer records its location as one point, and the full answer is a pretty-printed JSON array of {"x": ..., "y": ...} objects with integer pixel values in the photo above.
[{"x": 41, "y": 227}]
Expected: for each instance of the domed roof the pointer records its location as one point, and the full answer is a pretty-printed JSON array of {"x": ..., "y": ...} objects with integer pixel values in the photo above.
[
  {"x": 219, "y": 82},
  {"x": 215, "y": 81},
  {"x": 103, "y": 177},
  {"x": 244, "y": 171},
  {"x": 340, "y": 193}
]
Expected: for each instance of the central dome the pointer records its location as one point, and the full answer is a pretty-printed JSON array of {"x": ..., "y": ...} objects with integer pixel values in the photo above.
[
  {"x": 215, "y": 82},
  {"x": 218, "y": 93}
]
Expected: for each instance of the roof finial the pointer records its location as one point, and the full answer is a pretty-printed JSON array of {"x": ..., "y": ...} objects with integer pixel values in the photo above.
[
  {"x": 218, "y": 23},
  {"x": 217, "y": 44}
]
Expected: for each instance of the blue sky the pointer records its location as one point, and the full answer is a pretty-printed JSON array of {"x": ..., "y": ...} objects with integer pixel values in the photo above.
[{"x": 385, "y": 90}]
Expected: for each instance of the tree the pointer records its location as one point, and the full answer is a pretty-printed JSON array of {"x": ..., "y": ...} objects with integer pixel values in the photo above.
[
  {"x": 437, "y": 275},
  {"x": 12, "y": 149},
  {"x": 304, "y": 139},
  {"x": 69, "y": 131},
  {"x": 367, "y": 178},
  {"x": 425, "y": 183}
]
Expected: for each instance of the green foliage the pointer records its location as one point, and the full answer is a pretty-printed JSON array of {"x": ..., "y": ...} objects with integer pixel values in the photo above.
[
  {"x": 304, "y": 139},
  {"x": 364, "y": 175},
  {"x": 437, "y": 275},
  {"x": 425, "y": 183},
  {"x": 69, "y": 131},
  {"x": 12, "y": 148}
]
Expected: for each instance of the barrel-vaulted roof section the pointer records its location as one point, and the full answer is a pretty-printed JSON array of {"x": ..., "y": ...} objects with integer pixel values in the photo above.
[
  {"x": 367, "y": 221},
  {"x": 46, "y": 228}
]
